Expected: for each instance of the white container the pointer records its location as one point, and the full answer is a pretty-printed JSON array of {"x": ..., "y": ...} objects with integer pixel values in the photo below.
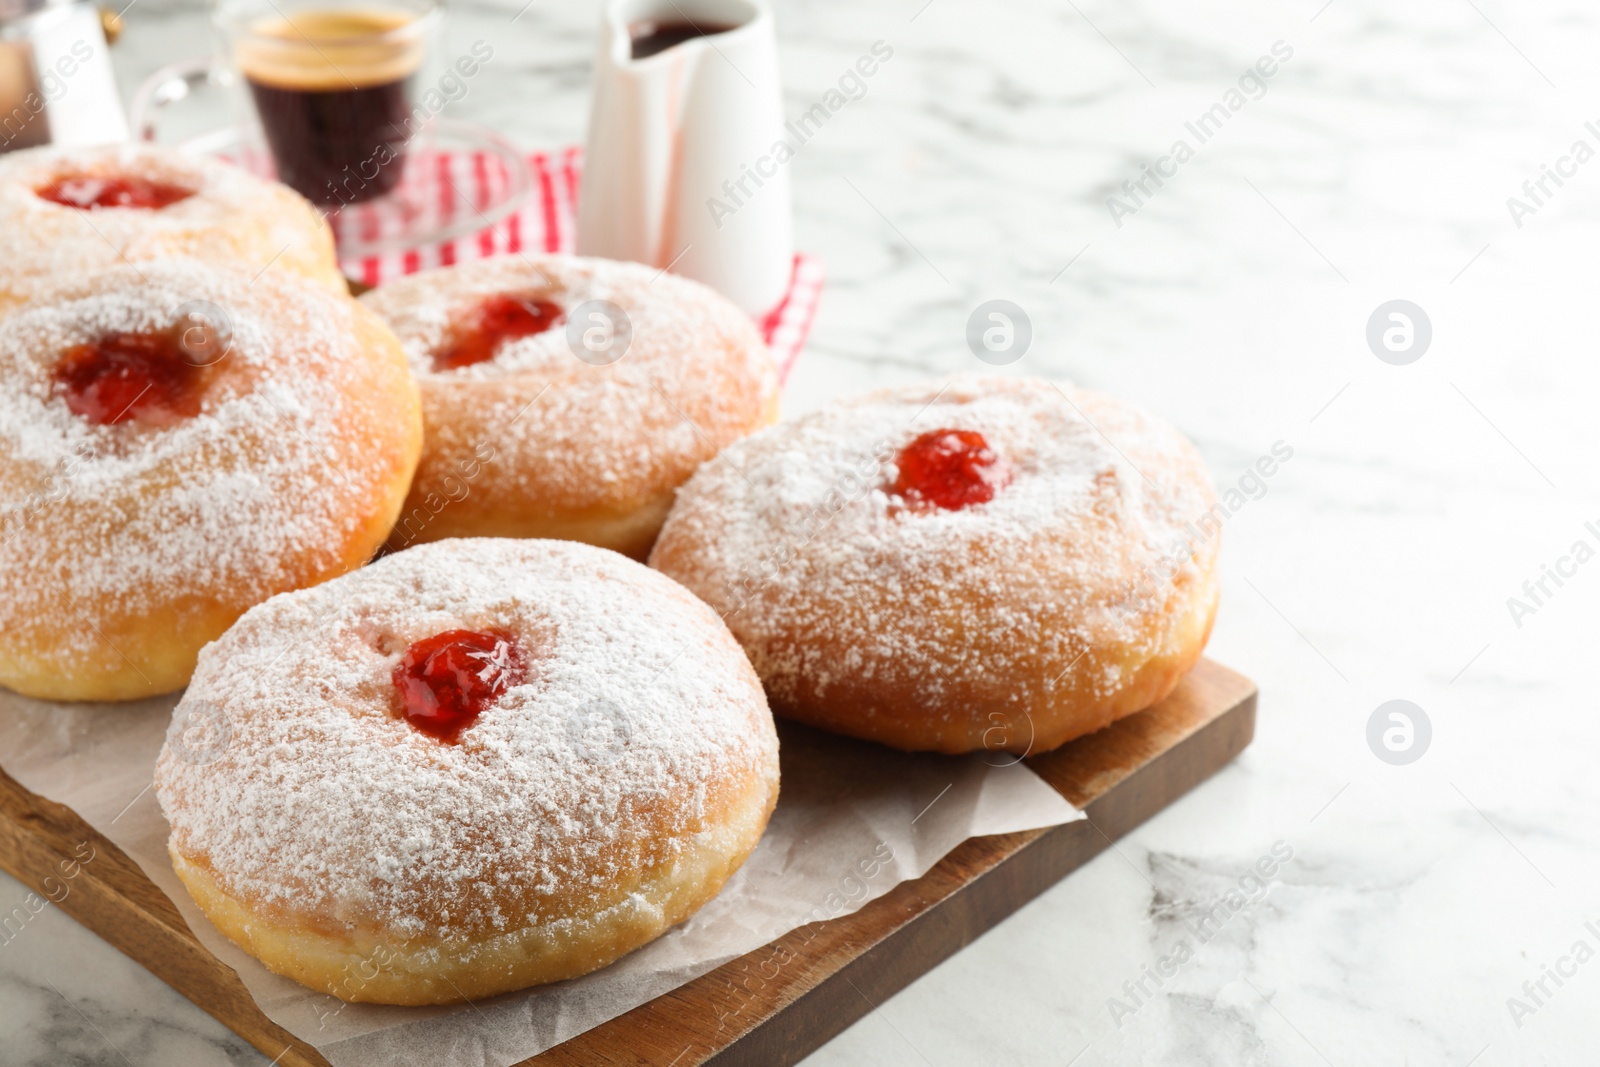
[{"x": 682, "y": 167}]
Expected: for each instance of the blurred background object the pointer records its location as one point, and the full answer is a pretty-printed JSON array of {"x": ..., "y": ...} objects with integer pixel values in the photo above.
[{"x": 56, "y": 81}]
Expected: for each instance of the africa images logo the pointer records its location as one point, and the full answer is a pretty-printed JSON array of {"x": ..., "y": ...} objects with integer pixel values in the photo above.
[
  {"x": 1537, "y": 592},
  {"x": 1203, "y": 128}
]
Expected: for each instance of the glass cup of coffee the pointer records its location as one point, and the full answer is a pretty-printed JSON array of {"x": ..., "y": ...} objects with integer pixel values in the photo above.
[{"x": 333, "y": 84}]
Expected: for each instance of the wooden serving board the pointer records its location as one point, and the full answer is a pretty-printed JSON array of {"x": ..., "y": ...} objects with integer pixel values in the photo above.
[{"x": 773, "y": 1005}]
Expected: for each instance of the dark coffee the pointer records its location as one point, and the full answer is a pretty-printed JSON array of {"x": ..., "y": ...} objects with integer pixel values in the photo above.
[
  {"x": 652, "y": 37},
  {"x": 333, "y": 90},
  {"x": 321, "y": 137}
]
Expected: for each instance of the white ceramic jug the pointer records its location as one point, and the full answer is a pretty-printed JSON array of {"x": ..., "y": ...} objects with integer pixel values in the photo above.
[{"x": 682, "y": 167}]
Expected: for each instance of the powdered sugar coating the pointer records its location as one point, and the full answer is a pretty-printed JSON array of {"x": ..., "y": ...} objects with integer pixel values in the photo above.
[
  {"x": 233, "y": 218},
  {"x": 262, "y": 491},
  {"x": 326, "y": 808},
  {"x": 672, "y": 319},
  {"x": 571, "y": 442},
  {"x": 836, "y": 589}
]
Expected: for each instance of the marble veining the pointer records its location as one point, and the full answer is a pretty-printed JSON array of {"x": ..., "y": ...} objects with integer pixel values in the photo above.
[{"x": 1377, "y": 164}]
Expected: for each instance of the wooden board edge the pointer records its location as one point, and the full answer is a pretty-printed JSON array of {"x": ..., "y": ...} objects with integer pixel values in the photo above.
[
  {"x": 857, "y": 988},
  {"x": 744, "y": 994},
  {"x": 110, "y": 895}
]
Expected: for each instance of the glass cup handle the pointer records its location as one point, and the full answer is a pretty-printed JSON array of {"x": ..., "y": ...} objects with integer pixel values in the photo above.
[{"x": 167, "y": 86}]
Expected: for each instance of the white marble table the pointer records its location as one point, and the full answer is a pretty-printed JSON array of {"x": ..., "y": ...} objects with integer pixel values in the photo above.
[{"x": 1376, "y": 564}]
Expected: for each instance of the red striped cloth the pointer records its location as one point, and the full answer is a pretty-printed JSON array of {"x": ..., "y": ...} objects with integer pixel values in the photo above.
[{"x": 459, "y": 185}]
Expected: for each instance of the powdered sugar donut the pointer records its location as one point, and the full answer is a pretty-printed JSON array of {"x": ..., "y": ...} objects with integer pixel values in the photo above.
[
  {"x": 527, "y": 439},
  {"x": 471, "y": 767},
  {"x": 70, "y": 211},
  {"x": 177, "y": 443},
  {"x": 980, "y": 563}
]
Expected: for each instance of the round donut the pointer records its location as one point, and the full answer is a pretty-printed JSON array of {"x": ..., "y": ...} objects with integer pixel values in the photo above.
[
  {"x": 607, "y": 769},
  {"x": 526, "y": 439},
  {"x": 179, "y": 442},
  {"x": 981, "y": 563},
  {"x": 73, "y": 211}
]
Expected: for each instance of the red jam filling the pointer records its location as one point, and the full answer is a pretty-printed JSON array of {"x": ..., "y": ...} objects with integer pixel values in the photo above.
[
  {"x": 88, "y": 192},
  {"x": 497, "y": 320},
  {"x": 949, "y": 469},
  {"x": 445, "y": 681},
  {"x": 127, "y": 377}
]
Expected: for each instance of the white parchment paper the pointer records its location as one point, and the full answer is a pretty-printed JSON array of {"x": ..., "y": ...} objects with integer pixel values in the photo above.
[{"x": 853, "y": 821}]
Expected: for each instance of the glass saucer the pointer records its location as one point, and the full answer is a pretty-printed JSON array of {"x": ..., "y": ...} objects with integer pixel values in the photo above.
[{"x": 458, "y": 179}]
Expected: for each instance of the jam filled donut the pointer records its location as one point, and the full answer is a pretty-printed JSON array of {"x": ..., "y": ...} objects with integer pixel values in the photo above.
[
  {"x": 471, "y": 767},
  {"x": 73, "y": 211},
  {"x": 177, "y": 443},
  {"x": 546, "y": 418},
  {"x": 984, "y": 563}
]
